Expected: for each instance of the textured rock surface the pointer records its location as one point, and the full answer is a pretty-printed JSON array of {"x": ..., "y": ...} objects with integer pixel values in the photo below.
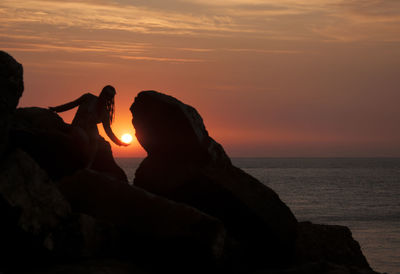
[
  {"x": 58, "y": 147},
  {"x": 94, "y": 266},
  {"x": 171, "y": 130},
  {"x": 36, "y": 220},
  {"x": 11, "y": 88},
  {"x": 104, "y": 161},
  {"x": 332, "y": 243},
  {"x": 42, "y": 205},
  {"x": 186, "y": 165},
  {"x": 320, "y": 267},
  {"x": 155, "y": 226}
]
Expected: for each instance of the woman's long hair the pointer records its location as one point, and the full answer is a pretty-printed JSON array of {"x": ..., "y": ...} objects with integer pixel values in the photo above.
[{"x": 106, "y": 102}]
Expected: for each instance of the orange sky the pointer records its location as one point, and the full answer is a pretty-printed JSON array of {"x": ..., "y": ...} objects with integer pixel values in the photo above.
[{"x": 270, "y": 78}]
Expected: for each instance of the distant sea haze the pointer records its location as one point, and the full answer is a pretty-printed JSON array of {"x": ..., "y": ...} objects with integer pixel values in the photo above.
[{"x": 361, "y": 193}]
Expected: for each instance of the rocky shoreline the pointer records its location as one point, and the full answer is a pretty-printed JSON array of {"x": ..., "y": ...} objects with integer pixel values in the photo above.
[{"x": 189, "y": 209}]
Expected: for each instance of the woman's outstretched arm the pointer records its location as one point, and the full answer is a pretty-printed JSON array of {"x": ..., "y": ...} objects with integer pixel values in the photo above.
[
  {"x": 69, "y": 105},
  {"x": 110, "y": 133}
]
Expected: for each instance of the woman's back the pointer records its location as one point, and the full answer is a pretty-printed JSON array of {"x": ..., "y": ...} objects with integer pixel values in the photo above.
[
  {"x": 93, "y": 110},
  {"x": 87, "y": 116}
]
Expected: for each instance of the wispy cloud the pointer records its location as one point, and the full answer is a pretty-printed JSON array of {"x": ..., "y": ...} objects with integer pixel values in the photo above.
[
  {"x": 199, "y": 18},
  {"x": 265, "y": 51},
  {"x": 362, "y": 20},
  {"x": 94, "y": 16},
  {"x": 101, "y": 47},
  {"x": 161, "y": 59},
  {"x": 373, "y": 10},
  {"x": 149, "y": 30}
]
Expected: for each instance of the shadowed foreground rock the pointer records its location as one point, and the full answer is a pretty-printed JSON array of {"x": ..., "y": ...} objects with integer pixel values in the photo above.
[
  {"x": 329, "y": 243},
  {"x": 58, "y": 147},
  {"x": 38, "y": 227},
  {"x": 152, "y": 226},
  {"x": 11, "y": 88},
  {"x": 186, "y": 165}
]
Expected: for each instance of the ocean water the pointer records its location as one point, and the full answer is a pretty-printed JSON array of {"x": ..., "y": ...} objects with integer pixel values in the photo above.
[{"x": 361, "y": 193}]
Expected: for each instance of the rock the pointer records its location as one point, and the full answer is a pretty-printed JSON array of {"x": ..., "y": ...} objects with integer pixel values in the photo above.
[
  {"x": 25, "y": 186},
  {"x": 186, "y": 165},
  {"x": 169, "y": 129},
  {"x": 59, "y": 148},
  {"x": 11, "y": 88},
  {"x": 154, "y": 227},
  {"x": 47, "y": 139},
  {"x": 321, "y": 267},
  {"x": 330, "y": 243},
  {"x": 104, "y": 161},
  {"x": 38, "y": 227},
  {"x": 94, "y": 266},
  {"x": 32, "y": 210}
]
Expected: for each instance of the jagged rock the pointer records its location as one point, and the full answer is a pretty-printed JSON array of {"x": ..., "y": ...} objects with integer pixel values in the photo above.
[
  {"x": 58, "y": 147},
  {"x": 320, "y": 267},
  {"x": 154, "y": 227},
  {"x": 171, "y": 130},
  {"x": 186, "y": 165},
  {"x": 11, "y": 88},
  {"x": 95, "y": 266},
  {"x": 104, "y": 161},
  {"x": 325, "y": 249},
  {"x": 24, "y": 185},
  {"x": 38, "y": 227},
  {"x": 32, "y": 208},
  {"x": 331, "y": 243}
]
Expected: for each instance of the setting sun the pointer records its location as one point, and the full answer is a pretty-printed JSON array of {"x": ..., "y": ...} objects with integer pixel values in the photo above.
[{"x": 126, "y": 138}]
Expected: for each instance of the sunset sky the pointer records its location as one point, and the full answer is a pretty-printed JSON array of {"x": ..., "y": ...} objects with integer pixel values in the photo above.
[{"x": 270, "y": 78}]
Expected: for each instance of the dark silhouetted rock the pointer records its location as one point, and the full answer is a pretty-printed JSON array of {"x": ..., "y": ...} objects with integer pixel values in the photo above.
[
  {"x": 186, "y": 165},
  {"x": 171, "y": 130},
  {"x": 59, "y": 148},
  {"x": 325, "y": 249},
  {"x": 320, "y": 267},
  {"x": 331, "y": 243},
  {"x": 104, "y": 161},
  {"x": 37, "y": 225},
  {"x": 11, "y": 88},
  {"x": 95, "y": 266},
  {"x": 154, "y": 227}
]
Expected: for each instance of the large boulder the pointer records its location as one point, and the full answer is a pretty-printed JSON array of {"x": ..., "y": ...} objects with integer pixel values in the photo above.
[
  {"x": 186, "y": 165},
  {"x": 319, "y": 267},
  {"x": 153, "y": 228},
  {"x": 37, "y": 224},
  {"x": 325, "y": 249},
  {"x": 330, "y": 243},
  {"x": 11, "y": 88},
  {"x": 59, "y": 148}
]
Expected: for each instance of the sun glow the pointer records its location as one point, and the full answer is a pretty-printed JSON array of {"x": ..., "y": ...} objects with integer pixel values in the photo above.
[{"x": 126, "y": 138}]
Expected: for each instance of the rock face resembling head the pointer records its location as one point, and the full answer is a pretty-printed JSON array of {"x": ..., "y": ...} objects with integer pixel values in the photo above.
[
  {"x": 11, "y": 88},
  {"x": 169, "y": 128}
]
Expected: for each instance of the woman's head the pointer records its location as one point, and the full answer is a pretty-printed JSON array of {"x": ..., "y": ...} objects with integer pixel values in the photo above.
[{"x": 106, "y": 101}]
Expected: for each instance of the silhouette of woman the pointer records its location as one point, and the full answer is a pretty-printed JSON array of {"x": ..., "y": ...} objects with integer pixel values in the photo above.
[{"x": 92, "y": 111}]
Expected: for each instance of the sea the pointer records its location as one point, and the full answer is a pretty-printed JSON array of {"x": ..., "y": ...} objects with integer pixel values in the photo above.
[{"x": 360, "y": 193}]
